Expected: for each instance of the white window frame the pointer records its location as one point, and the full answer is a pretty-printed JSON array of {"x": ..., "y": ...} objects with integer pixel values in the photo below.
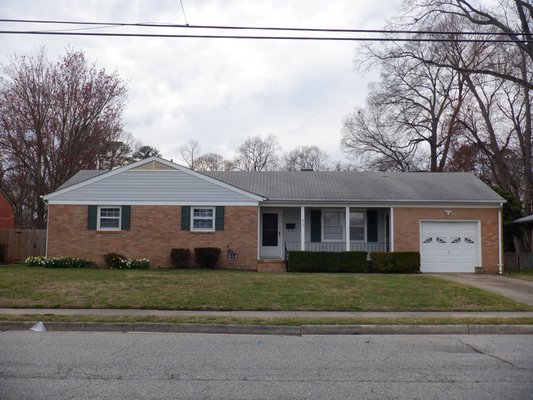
[
  {"x": 193, "y": 229},
  {"x": 99, "y": 217},
  {"x": 342, "y": 218},
  {"x": 365, "y": 223}
]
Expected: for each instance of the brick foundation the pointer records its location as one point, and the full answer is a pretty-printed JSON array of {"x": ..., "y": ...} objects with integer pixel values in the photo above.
[
  {"x": 155, "y": 230},
  {"x": 407, "y": 229}
]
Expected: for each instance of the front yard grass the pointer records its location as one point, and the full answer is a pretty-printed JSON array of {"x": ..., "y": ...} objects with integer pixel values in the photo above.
[
  {"x": 527, "y": 276},
  {"x": 25, "y": 287}
]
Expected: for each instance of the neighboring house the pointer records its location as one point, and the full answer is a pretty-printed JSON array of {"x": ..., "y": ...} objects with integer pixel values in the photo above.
[
  {"x": 7, "y": 211},
  {"x": 149, "y": 207},
  {"x": 527, "y": 223}
]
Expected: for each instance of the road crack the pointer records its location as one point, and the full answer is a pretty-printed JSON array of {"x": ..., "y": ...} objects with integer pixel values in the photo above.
[{"x": 490, "y": 355}]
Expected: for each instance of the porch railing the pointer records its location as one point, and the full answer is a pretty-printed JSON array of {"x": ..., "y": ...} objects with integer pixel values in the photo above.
[{"x": 335, "y": 246}]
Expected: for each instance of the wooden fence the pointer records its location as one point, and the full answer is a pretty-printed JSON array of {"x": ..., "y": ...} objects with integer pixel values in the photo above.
[
  {"x": 515, "y": 262},
  {"x": 22, "y": 243}
]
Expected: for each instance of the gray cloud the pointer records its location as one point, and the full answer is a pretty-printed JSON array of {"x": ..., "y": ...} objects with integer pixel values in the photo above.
[{"x": 221, "y": 91}]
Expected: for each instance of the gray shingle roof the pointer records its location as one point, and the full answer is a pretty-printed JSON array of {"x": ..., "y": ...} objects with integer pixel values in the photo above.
[
  {"x": 361, "y": 186},
  {"x": 81, "y": 176}
]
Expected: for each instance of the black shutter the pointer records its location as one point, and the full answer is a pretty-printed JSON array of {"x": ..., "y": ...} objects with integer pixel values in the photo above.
[
  {"x": 316, "y": 225},
  {"x": 219, "y": 218},
  {"x": 185, "y": 218},
  {"x": 91, "y": 217},
  {"x": 126, "y": 216},
  {"x": 372, "y": 225}
]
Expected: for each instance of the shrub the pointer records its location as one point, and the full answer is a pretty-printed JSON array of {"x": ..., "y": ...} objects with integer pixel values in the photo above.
[
  {"x": 407, "y": 262},
  {"x": 382, "y": 262},
  {"x": 2, "y": 252},
  {"x": 327, "y": 261},
  {"x": 110, "y": 261},
  {"x": 179, "y": 258},
  {"x": 128, "y": 263},
  {"x": 206, "y": 257},
  {"x": 35, "y": 261},
  {"x": 67, "y": 262},
  {"x": 399, "y": 262}
]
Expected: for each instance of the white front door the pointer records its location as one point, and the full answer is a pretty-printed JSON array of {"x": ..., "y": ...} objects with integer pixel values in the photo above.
[
  {"x": 270, "y": 239},
  {"x": 449, "y": 246}
]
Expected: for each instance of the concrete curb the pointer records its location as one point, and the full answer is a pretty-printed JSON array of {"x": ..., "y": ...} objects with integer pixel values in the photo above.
[{"x": 303, "y": 330}]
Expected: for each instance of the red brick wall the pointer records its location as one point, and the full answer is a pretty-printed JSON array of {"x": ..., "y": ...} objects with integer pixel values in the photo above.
[
  {"x": 407, "y": 229},
  {"x": 155, "y": 230},
  {"x": 7, "y": 215}
]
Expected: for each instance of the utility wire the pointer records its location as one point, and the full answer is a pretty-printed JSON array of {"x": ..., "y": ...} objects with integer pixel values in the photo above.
[
  {"x": 308, "y": 38},
  {"x": 183, "y": 10},
  {"x": 263, "y": 28}
]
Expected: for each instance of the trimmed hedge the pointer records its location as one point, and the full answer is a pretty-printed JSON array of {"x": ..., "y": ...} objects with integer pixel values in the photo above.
[
  {"x": 327, "y": 261},
  {"x": 397, "y": 262},
  {"x": 180, "y": 258},
  {"x": 206, "y": 257}
]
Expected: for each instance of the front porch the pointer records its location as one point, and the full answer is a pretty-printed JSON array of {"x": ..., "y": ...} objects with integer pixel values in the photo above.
[{"x": 313, "y": 228}]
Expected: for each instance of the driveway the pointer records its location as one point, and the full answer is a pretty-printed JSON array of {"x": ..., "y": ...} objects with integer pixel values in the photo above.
[{"x": 516, "y": 289}]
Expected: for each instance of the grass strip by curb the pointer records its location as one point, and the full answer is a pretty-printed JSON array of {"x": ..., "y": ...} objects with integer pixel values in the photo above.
[{"x": 267, "y": 321}]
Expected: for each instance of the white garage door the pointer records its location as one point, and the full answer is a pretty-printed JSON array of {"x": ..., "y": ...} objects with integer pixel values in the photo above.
[{"x": 449, "y": 246}]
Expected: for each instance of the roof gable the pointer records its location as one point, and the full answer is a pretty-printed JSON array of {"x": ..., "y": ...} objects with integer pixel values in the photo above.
[{"x": 152, "y": 180}]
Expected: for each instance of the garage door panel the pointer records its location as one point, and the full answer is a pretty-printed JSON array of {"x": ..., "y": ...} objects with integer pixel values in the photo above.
[{"x": 448, "y": 246}]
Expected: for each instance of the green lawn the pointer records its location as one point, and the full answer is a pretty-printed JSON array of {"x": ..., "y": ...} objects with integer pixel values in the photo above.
[
  {"x": 528, "y": 276},
  {"x": 25, "y": 287}
]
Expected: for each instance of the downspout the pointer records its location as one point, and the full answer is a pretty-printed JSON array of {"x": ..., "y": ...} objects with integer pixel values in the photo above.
[
  {"x": 500, "y": 263},
  {"x": 47, "y": 227}
]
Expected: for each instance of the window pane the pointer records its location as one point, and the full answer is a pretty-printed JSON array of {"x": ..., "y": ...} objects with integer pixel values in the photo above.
[
  {"x": 110, "y": 212},
  {"x": 203, "y": 212},
  {"x": 202, "y": 223},
  {"x": 357, "y": 218},
  {"x": 270, "y": 237},
  {"x": 332, "y": 218},
  {"x": 357, "y": 233},
  {"x": 109, "y": 223},
  {"x": 332, "y": 232}
]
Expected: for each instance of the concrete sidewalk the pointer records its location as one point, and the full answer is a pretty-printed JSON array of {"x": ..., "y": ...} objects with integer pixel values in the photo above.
[{"x": 268, "y": 314}]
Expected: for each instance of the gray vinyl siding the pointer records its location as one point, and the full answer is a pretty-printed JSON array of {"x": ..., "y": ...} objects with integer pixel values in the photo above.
[
  {"x": 291, "y": 215},
  {"x": 153, "y": 186}
]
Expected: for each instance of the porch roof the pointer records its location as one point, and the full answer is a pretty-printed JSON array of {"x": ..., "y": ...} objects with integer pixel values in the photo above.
[{"x": 361, "y": 186}]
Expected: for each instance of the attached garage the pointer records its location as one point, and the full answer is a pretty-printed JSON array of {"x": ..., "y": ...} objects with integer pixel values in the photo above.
[{"x": 449, "y": 246}]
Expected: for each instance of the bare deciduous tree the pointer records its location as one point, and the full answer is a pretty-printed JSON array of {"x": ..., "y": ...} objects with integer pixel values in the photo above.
[
  {"x": 305, "y": 157},
  {"x": 257, "y": 154},
  {"x": 411, "y": 112},
  {"x": 211, "y": 162},
  {"x": 190, "y": 152}
]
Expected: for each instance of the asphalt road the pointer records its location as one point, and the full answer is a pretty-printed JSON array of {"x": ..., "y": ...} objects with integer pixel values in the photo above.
[{"x": 91, "y": 365}]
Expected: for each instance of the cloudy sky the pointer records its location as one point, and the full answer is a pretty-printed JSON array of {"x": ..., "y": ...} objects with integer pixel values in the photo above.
[{"x": 219, "y": 91}]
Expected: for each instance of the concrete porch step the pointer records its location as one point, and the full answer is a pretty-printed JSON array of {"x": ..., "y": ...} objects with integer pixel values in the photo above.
[{"x": 271, "y": 266}]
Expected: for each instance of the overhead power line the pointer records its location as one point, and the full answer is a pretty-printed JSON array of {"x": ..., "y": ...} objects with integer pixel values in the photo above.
[
  {"x": 261, "y": 28},
  {"x": 304, "y": 38},
  {"x": 442, "y": 36}
]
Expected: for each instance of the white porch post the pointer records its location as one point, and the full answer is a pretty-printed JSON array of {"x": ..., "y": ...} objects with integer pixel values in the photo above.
[
  {"x": 391, "y": 227},
  {"x": 347, "y": 228},
  {"x": 302, "y": 228}
]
